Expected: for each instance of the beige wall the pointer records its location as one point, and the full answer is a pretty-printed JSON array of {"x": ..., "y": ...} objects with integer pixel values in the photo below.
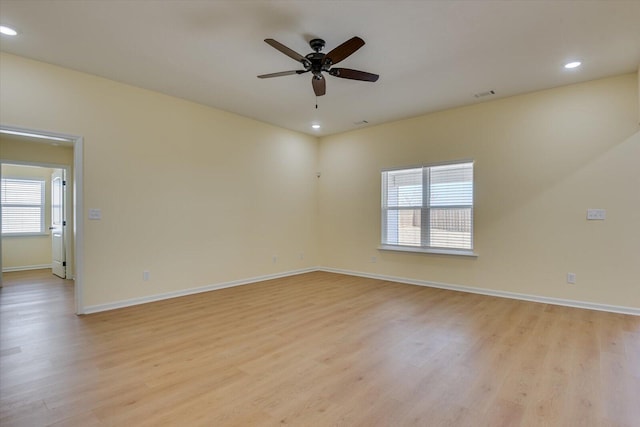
[
  {"x": 195, "y": 195},
  {"x": 27, "y": 251},
  {"x": 541, "y": 160},
  {"x": 199, "y": 196},
  {"x": 15, "y": 250}
]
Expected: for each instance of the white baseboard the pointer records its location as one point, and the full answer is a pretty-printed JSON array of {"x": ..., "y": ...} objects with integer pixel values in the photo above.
[
  {"x": 26, "y": 267},
  {"x": 159, "y": 297},
  {"x": 503, "y": 294}
]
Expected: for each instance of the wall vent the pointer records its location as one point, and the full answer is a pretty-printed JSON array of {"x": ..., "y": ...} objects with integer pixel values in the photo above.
[{"x": 483, "y": 94}]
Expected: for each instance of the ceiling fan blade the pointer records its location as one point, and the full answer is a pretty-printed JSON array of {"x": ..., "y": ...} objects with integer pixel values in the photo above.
[
  {"x": 344, "y": 50},
  {"x": 289, "y": 52},
  {"x": 281, "y": 73},
  {"x": 319, "y": 85},
  {"x": 347, "y": 73}
]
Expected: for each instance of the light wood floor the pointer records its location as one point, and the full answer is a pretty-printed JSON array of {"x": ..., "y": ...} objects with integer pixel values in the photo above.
[{"x": 317, "y": 349}]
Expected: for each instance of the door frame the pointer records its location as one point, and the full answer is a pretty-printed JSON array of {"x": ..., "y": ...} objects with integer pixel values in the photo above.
[{"x": 77, "y": 199}]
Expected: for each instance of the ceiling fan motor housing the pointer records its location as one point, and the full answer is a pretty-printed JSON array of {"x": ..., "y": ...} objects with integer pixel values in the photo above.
[
  {"x": 316, "y": 59},
  {"x": 316, "y": 44}
]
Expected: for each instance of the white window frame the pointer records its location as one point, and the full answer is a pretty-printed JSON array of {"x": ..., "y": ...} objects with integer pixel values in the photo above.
[
  {"x": 424, "y": 246},
  {"x": 42, "y": 206}
]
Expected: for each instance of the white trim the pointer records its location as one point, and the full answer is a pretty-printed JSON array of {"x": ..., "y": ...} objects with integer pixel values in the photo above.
[
  {"x": 502, "y": 294},
  {"x": 77, "y": 205},
  {"x": 5, "y": 235},
  {"x": 26, "y": 267},
  {"x": 425, "y": 250},
  {"x": 175, "y": 294},
  {"x": 429, "y": 164},
  {"x": 6, "y": 130},
  {"x": 78, "y": 224}
]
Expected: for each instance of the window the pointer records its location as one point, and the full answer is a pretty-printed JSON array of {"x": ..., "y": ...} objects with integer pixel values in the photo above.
[
  {"x": 428, "y": 208},
  {"x": 22, "y": 206}
]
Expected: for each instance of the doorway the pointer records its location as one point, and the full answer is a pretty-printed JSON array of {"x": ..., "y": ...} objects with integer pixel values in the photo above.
[
  {"x": 34, "y": 225},
  {"x": 35, "y": 148}
]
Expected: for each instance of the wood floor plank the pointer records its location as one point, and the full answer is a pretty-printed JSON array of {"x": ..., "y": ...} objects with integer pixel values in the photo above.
[{"x": 315, "y": 349}]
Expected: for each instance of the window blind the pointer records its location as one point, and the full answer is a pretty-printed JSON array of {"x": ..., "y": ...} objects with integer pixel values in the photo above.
[
  {"x": 429, "y": 207},
  {"x": 22, "y": 206}
]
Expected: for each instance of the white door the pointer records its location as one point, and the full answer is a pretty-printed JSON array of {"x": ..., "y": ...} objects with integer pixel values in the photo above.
[{"x": 58, "y": 262}]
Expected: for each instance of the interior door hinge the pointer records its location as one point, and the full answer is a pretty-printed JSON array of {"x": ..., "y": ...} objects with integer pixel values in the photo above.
[
  {"x": 64, "y": 263},
  {"x": 64, "y": 182}
]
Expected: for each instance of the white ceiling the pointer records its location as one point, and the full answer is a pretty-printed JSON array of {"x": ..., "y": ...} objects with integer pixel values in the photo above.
[{"x": 430, "y": 55}]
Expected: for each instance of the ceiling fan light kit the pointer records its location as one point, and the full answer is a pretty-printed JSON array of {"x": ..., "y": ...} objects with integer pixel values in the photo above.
[{"x": 317, "y": 62}]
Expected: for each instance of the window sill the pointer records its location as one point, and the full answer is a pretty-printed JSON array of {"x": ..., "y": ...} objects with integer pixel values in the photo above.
[
  {"x": 413, "y": 249},
  {"x": 25, "y": 235}
]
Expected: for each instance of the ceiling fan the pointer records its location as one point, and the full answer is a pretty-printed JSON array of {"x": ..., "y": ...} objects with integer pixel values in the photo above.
[{"x": 317, "y": 62}]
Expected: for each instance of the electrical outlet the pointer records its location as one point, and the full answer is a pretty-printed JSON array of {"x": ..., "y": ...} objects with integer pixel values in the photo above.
[
  {"x": 146, "y": 275},
  {"x": 275, "y": 259},
  {"x": 571, "y": 278},
  {"x": 301, "y": 256},
  {"x": 373, "y": 260}
]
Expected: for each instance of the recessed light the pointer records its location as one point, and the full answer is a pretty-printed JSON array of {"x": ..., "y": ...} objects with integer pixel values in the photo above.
[
  {"x": 315, "y": 126},
  {"x": 7, "y": 31},
  {"x": 573, "y": 64}
]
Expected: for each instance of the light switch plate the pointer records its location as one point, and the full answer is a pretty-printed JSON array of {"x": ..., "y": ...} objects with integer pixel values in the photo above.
[
  {"x": 596, "y": 214},
  {"x": 95, "y": 214}
]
